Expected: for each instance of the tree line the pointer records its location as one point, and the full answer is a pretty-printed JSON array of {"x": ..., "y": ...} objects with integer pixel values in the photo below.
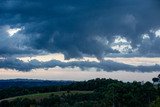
[{"x": 106, "y": 93}]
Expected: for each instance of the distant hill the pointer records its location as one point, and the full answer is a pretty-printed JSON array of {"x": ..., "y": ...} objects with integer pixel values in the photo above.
[{"x": 30, "y": 83}]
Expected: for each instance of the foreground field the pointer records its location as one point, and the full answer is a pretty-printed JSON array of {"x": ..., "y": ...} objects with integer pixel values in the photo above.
[{"x": 40, "y": 96}]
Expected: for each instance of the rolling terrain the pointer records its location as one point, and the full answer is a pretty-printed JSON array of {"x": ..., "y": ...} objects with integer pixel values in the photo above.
[{"x": 40, "y": 96}]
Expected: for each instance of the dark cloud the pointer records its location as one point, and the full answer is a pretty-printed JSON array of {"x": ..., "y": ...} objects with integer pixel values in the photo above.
[
  {"x": 12, "y": 63},
  {"x": 71, "y": 27}
]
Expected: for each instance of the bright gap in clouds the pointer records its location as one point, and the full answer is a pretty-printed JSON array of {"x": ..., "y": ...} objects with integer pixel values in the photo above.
[
  {"x": 76, "y": 74},
  {"x": 135, "y": 61},
  {"x": 13, "y": 31}
]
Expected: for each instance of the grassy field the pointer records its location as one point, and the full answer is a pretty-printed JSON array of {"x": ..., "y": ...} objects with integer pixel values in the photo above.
[{"x": 40, "y": 96}]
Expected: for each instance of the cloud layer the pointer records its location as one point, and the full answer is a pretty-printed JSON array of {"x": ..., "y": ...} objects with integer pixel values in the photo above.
[
  {"x": 108, "y": 65},
  {"x": 78, "y": 28}
]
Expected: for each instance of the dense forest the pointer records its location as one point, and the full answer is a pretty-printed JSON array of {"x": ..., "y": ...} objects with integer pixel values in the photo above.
[{"x": 104, "y": 93}]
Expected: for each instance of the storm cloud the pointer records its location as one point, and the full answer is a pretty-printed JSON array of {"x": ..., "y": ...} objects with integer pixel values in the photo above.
[{"x": 79, "y": 28}]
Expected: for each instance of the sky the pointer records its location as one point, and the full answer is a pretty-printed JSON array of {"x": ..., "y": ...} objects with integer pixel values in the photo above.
[{"x": 58, "y": 39}]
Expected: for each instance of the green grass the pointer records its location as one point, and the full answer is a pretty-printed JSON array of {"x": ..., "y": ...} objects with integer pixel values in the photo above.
[{"x": 40, "y": 96}]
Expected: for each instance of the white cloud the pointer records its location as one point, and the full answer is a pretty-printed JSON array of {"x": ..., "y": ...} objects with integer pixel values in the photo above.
[
  {"x": 121, "y": 44},
  {"x": 13, "y": 31},
  {"x": 145, "y": 36},
  {"x": 157, "y": 33},
  {"x": 120, "y": 39}
]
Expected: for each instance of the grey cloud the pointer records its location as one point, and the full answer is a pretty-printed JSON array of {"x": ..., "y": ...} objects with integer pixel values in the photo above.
[
  {"x": 108, "y": 66},
  {"x": 150, "y": 45}
]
